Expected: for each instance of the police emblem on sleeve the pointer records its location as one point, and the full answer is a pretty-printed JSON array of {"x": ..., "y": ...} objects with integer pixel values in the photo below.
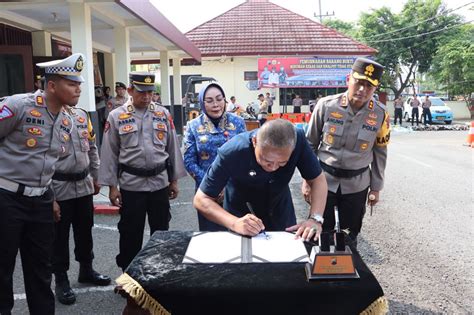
[{"x": 5, "y": 112}]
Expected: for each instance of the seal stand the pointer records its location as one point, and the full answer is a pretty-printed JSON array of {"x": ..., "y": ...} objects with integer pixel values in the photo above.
[{"x": 331, "y": 262}]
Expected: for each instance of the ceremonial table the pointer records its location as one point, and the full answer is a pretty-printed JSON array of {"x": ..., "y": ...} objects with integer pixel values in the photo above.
[{"x": 159, "y": 283}]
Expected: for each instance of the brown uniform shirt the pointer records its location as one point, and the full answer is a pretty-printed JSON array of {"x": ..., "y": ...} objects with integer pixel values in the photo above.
[
  {"x": 350, "y": 140},
  {"x": 141, "y": 140},
  {"x": 84, "y": 155},
  {"x": 31, "y": 139}
]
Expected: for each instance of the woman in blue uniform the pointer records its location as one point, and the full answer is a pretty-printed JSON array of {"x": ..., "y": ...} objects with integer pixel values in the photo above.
[{"x": 205, "y": 134}]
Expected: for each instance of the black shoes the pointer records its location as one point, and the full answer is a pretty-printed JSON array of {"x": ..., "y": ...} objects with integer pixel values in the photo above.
[
  {"x": 89, "y": 275},
  {"x": 64, "y": 293}
]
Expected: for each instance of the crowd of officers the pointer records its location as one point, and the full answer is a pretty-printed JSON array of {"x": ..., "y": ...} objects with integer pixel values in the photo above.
[{"x": 51, "y": 169}]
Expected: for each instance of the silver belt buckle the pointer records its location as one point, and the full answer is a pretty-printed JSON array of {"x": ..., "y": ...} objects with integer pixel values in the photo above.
[{"x": 34, "y": 191}]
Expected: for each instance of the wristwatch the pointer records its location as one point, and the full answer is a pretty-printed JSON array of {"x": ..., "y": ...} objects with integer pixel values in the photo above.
[{"x": 316, "y": 217}]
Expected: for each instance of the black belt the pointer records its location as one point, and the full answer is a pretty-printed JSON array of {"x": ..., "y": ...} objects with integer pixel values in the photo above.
[
  {"x": 142, "y": 172},
  {"x": 71, "y": 177},
  {"x": 339, "y": 172}
]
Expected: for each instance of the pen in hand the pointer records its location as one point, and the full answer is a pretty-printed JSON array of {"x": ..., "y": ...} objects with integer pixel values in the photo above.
[{"x": 249, "y": 206}]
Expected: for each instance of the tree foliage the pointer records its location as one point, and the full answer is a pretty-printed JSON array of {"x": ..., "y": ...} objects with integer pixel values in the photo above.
[
  {"x": 453, "y": 65},
  {"x": 406, "y": 42},
  {"x": 346, "y": 28}
]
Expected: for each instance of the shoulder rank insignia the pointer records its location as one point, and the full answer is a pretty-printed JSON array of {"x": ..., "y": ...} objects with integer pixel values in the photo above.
[
  {"x": 130, "y": 108},
  {"x": 39, "y": 100},
  {"x": 371, "y": 105},
  {"x": 151, "y": 107},
  {"x": 344, "y": 101}
]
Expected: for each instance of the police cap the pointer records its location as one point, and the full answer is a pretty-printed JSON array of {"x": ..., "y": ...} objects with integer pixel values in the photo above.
[
  {"x": 366, "y": 69},
  {"x": 142, "y": 81},
  {"x": 70, "y": 68},
  {"x": 120, "y": 85}
]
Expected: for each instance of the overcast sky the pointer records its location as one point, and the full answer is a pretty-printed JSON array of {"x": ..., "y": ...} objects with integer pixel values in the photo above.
[{"x": 187, "y": 14}]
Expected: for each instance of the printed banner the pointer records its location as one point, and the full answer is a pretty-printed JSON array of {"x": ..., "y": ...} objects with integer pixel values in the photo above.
[{"x": 327, "y": 72}]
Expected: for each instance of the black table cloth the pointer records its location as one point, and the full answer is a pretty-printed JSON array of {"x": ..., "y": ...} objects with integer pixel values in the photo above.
[{"x": 157, "y": 281}]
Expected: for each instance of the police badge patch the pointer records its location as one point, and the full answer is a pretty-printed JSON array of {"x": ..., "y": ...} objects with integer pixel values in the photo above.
[{"x": 6, "y": 112}]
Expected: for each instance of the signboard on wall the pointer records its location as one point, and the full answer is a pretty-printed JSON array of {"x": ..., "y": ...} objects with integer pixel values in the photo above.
[{"x": 305, "y": 72}]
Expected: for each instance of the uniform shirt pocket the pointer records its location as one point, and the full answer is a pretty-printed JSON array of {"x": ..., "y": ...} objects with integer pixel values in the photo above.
[
  {"x": 128, "y": 135},
  {"x": 332, "y": 135},
  {"x": 160, "y": 133},
  {"x": 365, "y": 140}
]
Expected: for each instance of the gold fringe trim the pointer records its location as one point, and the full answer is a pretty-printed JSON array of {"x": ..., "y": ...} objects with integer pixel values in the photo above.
[
  {"x": 379, "y": 306},
  {"x": 140, "y": 296}
]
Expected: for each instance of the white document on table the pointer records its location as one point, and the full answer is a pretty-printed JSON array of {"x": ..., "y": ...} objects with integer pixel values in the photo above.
[{"x": 227, "y": 247}]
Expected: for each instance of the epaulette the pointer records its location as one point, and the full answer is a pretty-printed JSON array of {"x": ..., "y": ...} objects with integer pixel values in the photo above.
[{"x": 383, "y": 106}]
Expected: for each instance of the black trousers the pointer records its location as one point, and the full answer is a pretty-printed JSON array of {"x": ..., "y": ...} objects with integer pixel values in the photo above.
[
  {"x": 296, "y": 109},
  {"x": 79, "y": 213},
  {"x": 135, "y": 205},
  {"x": 399, "y": 115},
  {"x": 351, "y": 211},
  {"x": 414, "y": 114},
  {"x": 26, "y": 223},
  {"x": 427, "y": 114}
]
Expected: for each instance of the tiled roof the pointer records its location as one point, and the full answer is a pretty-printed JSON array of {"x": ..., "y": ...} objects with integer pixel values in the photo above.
[{"x": 264, "y": 28}]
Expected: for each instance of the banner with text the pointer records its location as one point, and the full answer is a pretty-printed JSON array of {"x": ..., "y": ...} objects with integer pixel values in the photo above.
[{"x": 326, "y": 72}]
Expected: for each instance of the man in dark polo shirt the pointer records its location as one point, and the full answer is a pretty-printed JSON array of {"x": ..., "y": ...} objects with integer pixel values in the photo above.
[{"x": 256, "y": 167}]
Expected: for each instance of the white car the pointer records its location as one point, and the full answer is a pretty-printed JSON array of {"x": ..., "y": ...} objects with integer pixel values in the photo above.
[{"x": 439, "y": 111}]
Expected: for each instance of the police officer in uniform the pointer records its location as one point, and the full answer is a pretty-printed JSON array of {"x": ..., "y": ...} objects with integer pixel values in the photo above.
[
  {"x": 349, "y": 132},
  {"x": 255, "y": 168},
  {"x": 119, "y": 99},
  {"x": 35, "y": 131},
  {"x": 74, "y": 183},
  {"x": 140, "y": 153}
]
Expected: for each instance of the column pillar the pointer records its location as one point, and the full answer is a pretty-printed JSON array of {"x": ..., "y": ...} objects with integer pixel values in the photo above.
[
  {"x": 81, "y": 40},
  {"x": 177, "y": 81},
  {"x": 122, "y": 54},
  {"x": 165, "y": 78},
  {"x": 41, "y": 43}
]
